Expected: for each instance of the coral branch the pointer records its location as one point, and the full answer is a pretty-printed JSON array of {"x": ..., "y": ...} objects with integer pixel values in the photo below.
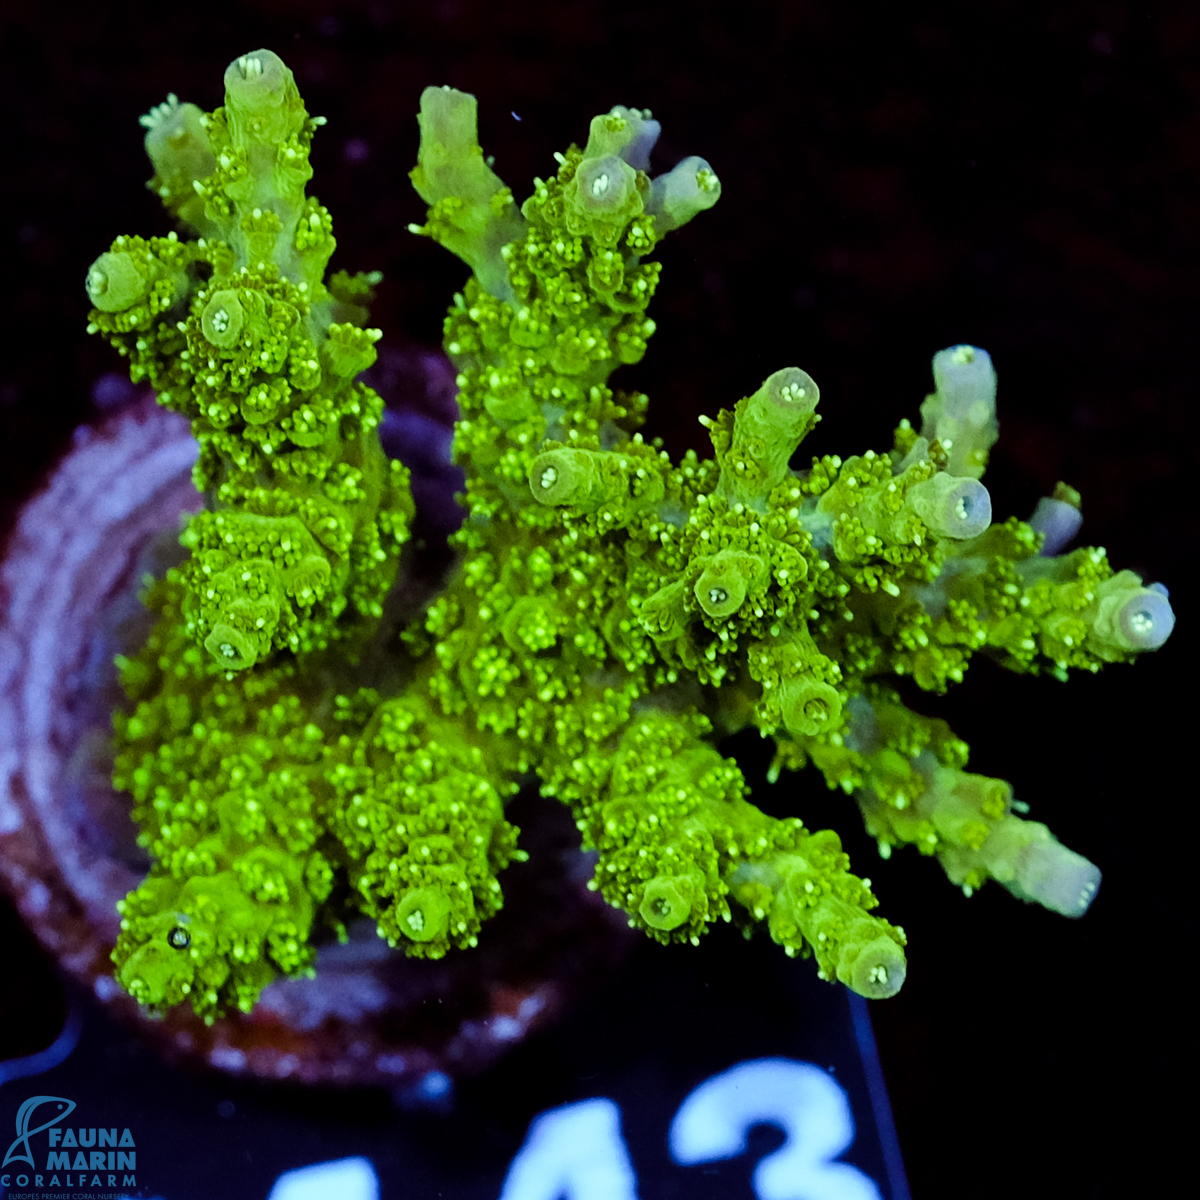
[{"x": 294, "y": 758}]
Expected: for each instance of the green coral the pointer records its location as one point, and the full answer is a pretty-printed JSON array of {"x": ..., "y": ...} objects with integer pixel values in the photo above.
[
  {"x": 612, "y": 615},
  {"x": 239, "y": 331}
]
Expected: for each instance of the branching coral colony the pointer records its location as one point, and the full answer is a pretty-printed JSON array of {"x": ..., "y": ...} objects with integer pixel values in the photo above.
[{"x": 612, "y": 614}]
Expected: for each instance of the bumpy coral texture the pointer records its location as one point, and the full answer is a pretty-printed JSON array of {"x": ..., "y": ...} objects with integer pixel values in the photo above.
[{"x": 294, "y": 758}]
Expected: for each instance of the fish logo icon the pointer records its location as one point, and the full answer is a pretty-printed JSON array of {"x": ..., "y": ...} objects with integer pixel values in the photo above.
[{"x": 24, "y": 1133}]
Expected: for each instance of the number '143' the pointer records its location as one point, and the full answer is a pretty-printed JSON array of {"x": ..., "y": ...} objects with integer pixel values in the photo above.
[{"x": 578, "y": 1153}]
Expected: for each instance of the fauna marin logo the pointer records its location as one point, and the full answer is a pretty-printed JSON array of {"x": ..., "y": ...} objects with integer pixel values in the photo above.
[{"x": 70, "y": 1157}]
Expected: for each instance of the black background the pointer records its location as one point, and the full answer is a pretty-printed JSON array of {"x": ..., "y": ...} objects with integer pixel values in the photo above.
[
  {"x": 1018, "y": 175},
  {"x": 644, "y": 1040}
]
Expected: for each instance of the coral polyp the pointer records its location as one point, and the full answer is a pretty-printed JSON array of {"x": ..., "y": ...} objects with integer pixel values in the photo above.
[{"x": 298, "y": 753}]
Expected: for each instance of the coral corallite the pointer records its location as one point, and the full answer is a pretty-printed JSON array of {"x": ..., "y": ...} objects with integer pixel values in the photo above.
[{"x": 297, "y": 753}]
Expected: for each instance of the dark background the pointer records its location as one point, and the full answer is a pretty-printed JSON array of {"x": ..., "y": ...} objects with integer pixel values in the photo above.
[{"x": 1022, "y": 176}]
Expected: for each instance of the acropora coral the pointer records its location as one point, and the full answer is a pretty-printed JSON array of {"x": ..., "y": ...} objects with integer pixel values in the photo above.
[{"x": 296, "y": 755}]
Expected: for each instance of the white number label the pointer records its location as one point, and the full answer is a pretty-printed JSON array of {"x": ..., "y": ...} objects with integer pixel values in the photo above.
[
  {"x": 810, "y": 1108},
  {"x": 573, "y": 1153},
  {"x": 345, "y": 1179},
  {"x": 577, "y": 1152}
]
